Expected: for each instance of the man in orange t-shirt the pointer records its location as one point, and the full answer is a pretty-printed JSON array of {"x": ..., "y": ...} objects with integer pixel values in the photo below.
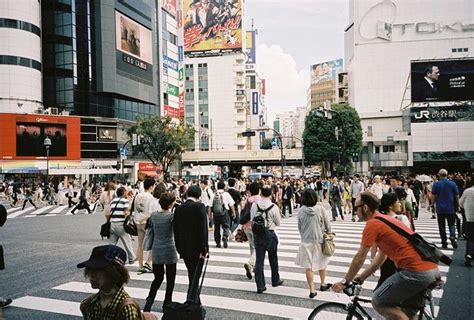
[{"x": 413, "y": 276}]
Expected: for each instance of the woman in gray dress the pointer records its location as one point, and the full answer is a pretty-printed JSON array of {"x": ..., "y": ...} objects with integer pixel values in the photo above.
[{"x": 163, "y": 250}]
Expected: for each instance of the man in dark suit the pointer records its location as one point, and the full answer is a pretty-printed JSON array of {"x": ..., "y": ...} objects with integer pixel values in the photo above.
[
  {"x": 427, "y": 88},
  {"x": 286, "y": 198},
  {"x": 191, "y": 235},
  {"x": 235, "y": 194}
]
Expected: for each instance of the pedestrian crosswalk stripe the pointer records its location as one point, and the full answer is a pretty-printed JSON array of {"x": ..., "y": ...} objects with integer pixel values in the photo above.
[
  {"x": 48, "y": 305},
  {"x": 257, "y": 307},
  {"x": 11, "y": 210},
  {"x": 41, "y": 210},
  {"x": 59, "y": 209},
  {"x": 20, "y": 212}
]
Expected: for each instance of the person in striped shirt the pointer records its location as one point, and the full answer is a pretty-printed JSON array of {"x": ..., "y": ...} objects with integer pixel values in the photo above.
[{"x": 119, "y": 210}]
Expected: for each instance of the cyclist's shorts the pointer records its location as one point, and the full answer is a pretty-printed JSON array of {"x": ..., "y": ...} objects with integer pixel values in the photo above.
[{"x": 405, "y": 289}]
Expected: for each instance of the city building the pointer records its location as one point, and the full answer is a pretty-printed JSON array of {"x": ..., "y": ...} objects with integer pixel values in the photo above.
[
  {"x": 323, "y": 89},
  {"x": 81, "y": 71},
  {"x": 216, "y": 99},
  {"x": 20, "y": 56},
  {"x": 388, "y": 46},
  {"x": 291, "y": 126}
]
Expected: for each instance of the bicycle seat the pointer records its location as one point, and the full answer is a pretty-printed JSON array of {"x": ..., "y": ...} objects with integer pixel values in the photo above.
[{"x": 437, "y": 284}]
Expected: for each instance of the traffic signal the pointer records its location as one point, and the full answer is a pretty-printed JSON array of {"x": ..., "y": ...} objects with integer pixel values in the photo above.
[{"x": 118, "y": 165}]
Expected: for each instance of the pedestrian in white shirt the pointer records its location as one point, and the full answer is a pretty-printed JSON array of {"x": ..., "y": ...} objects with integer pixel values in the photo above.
[
  {"x": 206, "y": 196},
  {"x": 140, "y": 202},
  {"x": 377, "y": 187},
  {"x": 357, "y": 187}
]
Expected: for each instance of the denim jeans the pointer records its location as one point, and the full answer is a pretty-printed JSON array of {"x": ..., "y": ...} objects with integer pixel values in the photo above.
[
  {"x": 266, "y": 243},
  {"x": 221, "y": 221},
  {"x": 451, "y": 218},
  {"x": 336, "y": 205},
  {"x": 234, "y": 223}
]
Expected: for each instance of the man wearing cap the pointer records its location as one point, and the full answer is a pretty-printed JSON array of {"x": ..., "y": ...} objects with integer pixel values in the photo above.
[{"x": 3, "y": 218}]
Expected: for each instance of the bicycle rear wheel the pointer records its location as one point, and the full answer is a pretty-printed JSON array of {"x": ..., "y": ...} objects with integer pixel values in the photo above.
[{"x": 332, "y": 311}]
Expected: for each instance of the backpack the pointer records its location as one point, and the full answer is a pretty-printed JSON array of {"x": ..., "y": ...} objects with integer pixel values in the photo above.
[
  {"x": 259, "y": 221},
  {"x": 245, "y": 214},
  {"x": 218, "y": 208}
]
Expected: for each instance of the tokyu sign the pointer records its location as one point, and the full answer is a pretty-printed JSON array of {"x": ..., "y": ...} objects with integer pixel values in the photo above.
[{"x": 381, "y": 22}]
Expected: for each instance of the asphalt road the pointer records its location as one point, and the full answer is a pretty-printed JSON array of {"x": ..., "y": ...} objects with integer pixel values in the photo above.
[{"x": 41, "y": 253}]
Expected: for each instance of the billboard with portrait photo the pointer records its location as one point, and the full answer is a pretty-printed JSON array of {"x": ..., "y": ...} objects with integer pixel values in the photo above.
[
  {"x": 212, "y": 27},
  {"x": 30, "y": 139},
  {"x": 132, "y": 38},
  {"x": 326, "y": 71},
  {"x": 442, "y": 80}
]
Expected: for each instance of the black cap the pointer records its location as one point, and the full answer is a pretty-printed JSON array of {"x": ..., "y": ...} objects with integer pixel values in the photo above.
[{"x": 103, "y": 256}]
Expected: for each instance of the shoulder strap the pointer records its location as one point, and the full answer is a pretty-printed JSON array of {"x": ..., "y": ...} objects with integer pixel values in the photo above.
[
  {"x": 269, "y": 208},
  {"x": 396, "y": 228},
  {"x": 112, "y": 211},
  {"x": 130, "y": 302}
]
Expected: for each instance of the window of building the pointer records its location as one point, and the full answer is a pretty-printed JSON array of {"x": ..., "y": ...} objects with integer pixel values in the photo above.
[
  {"x": 377, "y": 149},
  {"x": 388, "y": 148},
  {"x": 369, "y": 131}
]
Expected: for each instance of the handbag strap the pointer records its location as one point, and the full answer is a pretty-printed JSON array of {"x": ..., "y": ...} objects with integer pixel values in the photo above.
[
  {"x": 396, "y": 228},
  {"x": 112, "y": 211}
]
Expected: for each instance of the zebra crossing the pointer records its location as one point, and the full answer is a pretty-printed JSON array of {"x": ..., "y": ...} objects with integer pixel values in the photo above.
[
  {"x": 228, "y": 294},
  {"x": 44, "y": 211}
]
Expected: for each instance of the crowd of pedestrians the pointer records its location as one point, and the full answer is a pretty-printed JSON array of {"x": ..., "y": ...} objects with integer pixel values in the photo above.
[{"x": 173, "y": 220}]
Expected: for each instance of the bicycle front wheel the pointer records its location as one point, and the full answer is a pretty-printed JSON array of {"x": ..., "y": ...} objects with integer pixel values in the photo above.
[{"x": 333, "y": 311}]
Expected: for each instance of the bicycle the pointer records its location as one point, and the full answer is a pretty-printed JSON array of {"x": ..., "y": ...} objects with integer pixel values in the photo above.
[{"x": 354, "y": 310}]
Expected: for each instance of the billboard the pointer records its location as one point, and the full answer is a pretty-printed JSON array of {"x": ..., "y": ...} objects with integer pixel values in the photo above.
[
  {"x": 169, "y": 6},
  {"x": 134, "y": 44},
  {"x": 250, "y": 49},
  {"x": 212, "y": 27},
  {"x": 445, "y": 80},
  {"x": 326, "y": 71},
  {"x": 24, "y": 137},
  {"x": 454, "y": 113}
]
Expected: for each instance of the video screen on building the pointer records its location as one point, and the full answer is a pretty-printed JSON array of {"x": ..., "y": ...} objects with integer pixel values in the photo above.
[
  {"x": 442, "y": 80},
  {"x": 212, "y": 27},
  {"x": 30, "y": 138},
  {"x": 134, "y": 48}
]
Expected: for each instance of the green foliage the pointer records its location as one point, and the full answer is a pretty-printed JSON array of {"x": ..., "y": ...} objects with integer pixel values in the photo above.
[
  {"x": 321, "y": 143},
  {"x": 162, "y": 139},
  {"x": 266, "y": 144}
]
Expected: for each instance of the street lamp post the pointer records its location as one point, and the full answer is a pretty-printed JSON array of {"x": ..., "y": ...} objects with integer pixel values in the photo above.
[
  {"x": 302, "y": 153},
  {"x": 47, "y": 144},
  {"x": 280, "y": 137}
]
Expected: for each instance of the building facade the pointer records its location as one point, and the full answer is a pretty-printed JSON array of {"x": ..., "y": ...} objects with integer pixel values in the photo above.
[
  {"x": 386, "y": 44},
  {"x": 20, "y": 56},
  {"x": 323, "y": 89}
]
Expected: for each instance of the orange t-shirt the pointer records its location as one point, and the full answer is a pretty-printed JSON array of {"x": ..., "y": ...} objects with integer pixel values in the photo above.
[{"x": 394, "y": 245}]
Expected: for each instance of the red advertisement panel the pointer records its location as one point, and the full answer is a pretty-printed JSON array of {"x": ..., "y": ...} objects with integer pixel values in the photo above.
[{"x": 23, "y": 137}]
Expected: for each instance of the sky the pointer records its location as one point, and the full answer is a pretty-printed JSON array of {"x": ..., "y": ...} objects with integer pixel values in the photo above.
[{"x": 292, "y": 35}]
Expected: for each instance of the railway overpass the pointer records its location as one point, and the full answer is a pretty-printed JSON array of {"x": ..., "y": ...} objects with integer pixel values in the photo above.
[{"x": 243, "y": 158}]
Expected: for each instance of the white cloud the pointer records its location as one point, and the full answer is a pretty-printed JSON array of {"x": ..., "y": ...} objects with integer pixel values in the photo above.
[{"x": 286, "y": 85}]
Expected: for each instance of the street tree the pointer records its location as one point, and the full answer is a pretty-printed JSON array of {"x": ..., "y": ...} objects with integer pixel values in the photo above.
[
  {"x": 266, "y": 144},
  {"x": 162, "y": 140},
  {"x": 324, "y": 144}
]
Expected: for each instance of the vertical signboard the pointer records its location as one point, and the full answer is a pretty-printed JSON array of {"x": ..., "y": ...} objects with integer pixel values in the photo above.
[{"x": 255, "y": 102}]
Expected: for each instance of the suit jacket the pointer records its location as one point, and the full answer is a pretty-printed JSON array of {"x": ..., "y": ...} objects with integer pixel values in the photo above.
[
  {"x": 191, "y": 229},
  {"x": 424, "y": 92},
  {"x": 288, "y": 191}
]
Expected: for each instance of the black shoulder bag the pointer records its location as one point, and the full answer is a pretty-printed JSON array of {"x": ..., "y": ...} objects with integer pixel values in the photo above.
[
  {"x": 105, "y": 228},
  {"x": 428, "y": 250},
  {"x": 129, "y": 224}
]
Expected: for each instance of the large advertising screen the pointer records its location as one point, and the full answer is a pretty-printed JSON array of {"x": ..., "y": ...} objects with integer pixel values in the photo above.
[
  {"x": 169, "y": 6},
  {"x": 30, "y": 139},
  {"x": 446, "y": 80},
  {"x": 326, "y": 71},
  {"x": 212, "y": 27},
  {"x": 24, "y": 137},
  {"x": 134, "y": 49}
]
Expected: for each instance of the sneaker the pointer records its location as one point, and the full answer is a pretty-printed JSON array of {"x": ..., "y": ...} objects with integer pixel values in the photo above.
[
  {"x": 132, "y": 261},
  {"x": 468, "y": 259},
  {"x": 148, "y": 266},
  {"x": 325, "y": 287},
  {"x": 248, "y": 271},
  {"x": 218, "y": 245},
  {"x": 142, "y": 270},
  {"x": 261, "y": 290},
  {"x": 453, "y": 243},
  {"x": 5, "y": 302},
  {"x": 444, "y": 246}
]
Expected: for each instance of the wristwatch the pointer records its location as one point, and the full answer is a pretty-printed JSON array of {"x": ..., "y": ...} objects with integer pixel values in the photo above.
[{"x": 344, "y": 281}]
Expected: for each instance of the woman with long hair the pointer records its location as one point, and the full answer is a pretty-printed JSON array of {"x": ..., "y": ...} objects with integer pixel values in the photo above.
[
  {"x": 106, "y": 197},
  {"x": 312, "y": 223}
]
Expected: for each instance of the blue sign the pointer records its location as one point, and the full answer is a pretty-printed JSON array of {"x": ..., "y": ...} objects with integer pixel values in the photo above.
[
  {"x": 173, "y": 64},
  {"x": 123, "y": 152},
  {"x": 165, "y": 69},
  {"x": 254, "y": 102},
  {"x": 274, "y": 141},
  {"x": 180, "y": 53}
]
